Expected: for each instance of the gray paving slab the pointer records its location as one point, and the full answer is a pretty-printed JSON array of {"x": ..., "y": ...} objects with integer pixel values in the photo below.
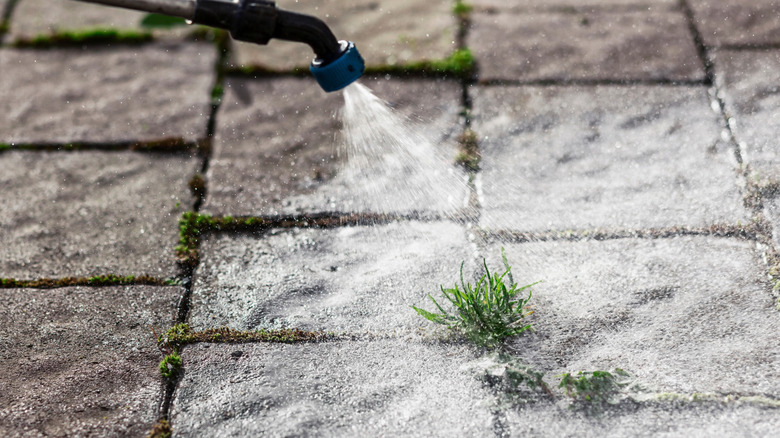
[
  {"x": 572, "y": 5},
  {"x": 352, "y": 279},
  {"x": 645, "y": 45},
  {"x": 381, "y": 388},
  {"x": 279, "y": 150},
  {"x": 685, "y": 315},
  {"x": 81, "y": 361},
  {"x": 385, "y": 31},
  {"x": 592, "y": 157},
  {"x": 737, "y": 23},
  {"x": 114, "y": 94},
  {"x": 772, "y": 212},
  {"x": 749, "y": 82},
  {"x": 692, "y": 419},
  {"x": 33, "y": 18},
  {"x": 91, "y": 213}
]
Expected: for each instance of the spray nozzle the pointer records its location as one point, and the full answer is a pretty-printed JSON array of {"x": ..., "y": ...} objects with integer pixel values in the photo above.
[{"x": 337, "y": 63}]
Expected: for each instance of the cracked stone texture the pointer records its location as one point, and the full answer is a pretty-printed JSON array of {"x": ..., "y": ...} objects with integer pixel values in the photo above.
[
  {"x": 332, "y": 280},
  {"x": 278, "y": 151},
  {"x": 750, "y": 82},
  {"x": 677, "y": 314},
  {"x": 384, "y": 387},
  {"x": 572, "y": 5},
  {"x": 115, "y": 94},
  {"x": 737, "y": 23},
  {"x": 81, "y": 361},
  {"x": 634, "y": 156},
  {"x": 384, "y": 31},
  {"x": 34, "y": 18},
  {"x": 584, "y": 46},
  {"x": 688, "y": 419},
  {"x": 91, "y": 213}
]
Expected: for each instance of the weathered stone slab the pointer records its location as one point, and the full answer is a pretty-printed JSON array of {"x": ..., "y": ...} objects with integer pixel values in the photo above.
[
  {"x": 33, "y": 18},
  {"x": 91, "y": 213},
  {"x": 353, "y": 279},
  {"x": 750, "y": 82},
  {"x": 121, "y": 94},
  {"x": 280, "y": 149},
  {"x": 772, "y": 212},
  {"x": 738, "y": 23},
  {"x": 686, "y": 315},
  {"x": 584, "y": 46},
  {"x": 386, "y": 387},
  {"x": 384, "y": 31},
  {"x": 689, "y": 419},
  {"x": 573, "y": 5},
  {"x": 81, "y": 361},
  {"x": 590, "y": 157}
]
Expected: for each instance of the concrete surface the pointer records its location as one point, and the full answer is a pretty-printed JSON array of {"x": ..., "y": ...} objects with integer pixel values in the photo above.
[
  {"x": 627, "y": 151},
  {"x": 91, "y": 213},
  {"x": 139, "y": 93},
  {"x": 81, "y": 361}
]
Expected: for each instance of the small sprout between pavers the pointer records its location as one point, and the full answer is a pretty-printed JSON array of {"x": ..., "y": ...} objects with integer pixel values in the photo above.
[
  {"x": 461, "y": 9},
  {"x": 487, "y": 313},
  {"x": 161, "y": 429},
  {"x": 594, "y": 386},
  {"x": 512, "y": 376}
]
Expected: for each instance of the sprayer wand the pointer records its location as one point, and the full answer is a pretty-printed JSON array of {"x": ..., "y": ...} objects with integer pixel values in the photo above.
[{"x": 336, "y": 65}]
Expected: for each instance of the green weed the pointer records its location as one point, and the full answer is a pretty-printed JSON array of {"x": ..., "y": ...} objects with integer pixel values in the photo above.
[
  {"x": 595, "y": 386},
  {"x": 85, "y": 37},
  {"x": 461, "y": 9},
  {"x": 487, "y": 313}
]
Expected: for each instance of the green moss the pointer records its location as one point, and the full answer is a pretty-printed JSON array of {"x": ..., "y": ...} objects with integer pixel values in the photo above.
[
  {"x": 461, "y": 9},
  {"x": 161, "y": 429},
  {"x": 460, "y": 64},
  {"x": 595, "y": 386},
  {"x": 85, "y": 37},
  {"x": 468, "y": 156},
  {"x": 181, "y": 334},
  {"x": 4, "y": 147},
  {"x": 170, "y": 366},
  {"x": 100, "y": 280}
]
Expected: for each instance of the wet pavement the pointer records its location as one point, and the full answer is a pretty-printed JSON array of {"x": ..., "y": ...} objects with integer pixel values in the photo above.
[{"x": 153, "y": 177}]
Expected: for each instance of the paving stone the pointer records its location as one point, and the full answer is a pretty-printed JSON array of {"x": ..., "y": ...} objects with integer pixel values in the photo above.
[
  {"x": 590, "y": 157},
  {"x": 691, "y": 419},
  {"x": 772, "y": 212},
  {"x": 735, "y": 22},
  {"x": 584, "y": 46},
  {"x": 81, "y": 361},
  {"x": 572, "y": 5},
  {"x": 353, "y": 279},
  {"x": 749, "y": 82},
  {"x": 385, "y": 32},
  {"x": 685, "y": 315},
  {"x": 91, "y": 213},
  {"x": 386, "y": 387},
  {"x": 279, "y": 150},
  {"x": 34, "y": 18},
  {"x": 115, "y": 94}
]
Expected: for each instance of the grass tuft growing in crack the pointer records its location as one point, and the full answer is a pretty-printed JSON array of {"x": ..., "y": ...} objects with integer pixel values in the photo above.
[{"x": 488, "y": 312}]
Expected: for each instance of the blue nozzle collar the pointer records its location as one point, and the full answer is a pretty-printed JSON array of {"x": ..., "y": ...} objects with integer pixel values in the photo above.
[{"x": 340, "y": 72}]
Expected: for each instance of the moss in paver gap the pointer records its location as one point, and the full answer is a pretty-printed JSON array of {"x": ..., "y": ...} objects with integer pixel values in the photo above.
[
  {"x": 162, "y": 145},
  {"x": 460, "y": 64},
  {"x": 101, "y": 280},
  {"x": 469, "y": 155},
  {"x": 181, "y": 334},
  {"x": 192, "y": 225},
  {"x": 84, "y": 37},
  {"x": 162, "y": 429}
]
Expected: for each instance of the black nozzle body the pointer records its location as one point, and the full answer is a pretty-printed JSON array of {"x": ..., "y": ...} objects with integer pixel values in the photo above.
[{"x": 257, "y": 21}]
